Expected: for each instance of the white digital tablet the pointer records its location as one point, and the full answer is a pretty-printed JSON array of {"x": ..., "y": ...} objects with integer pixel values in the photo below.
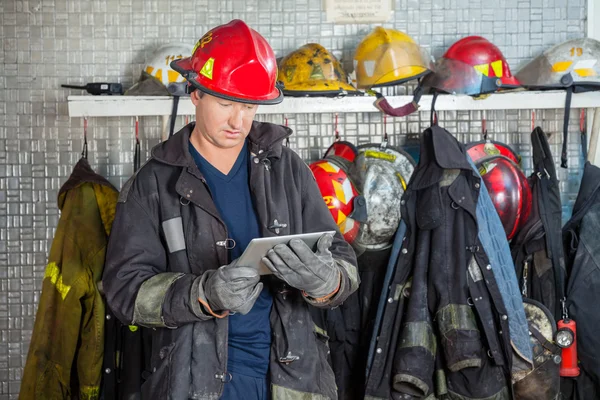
[{"x": 258, "y": 248}]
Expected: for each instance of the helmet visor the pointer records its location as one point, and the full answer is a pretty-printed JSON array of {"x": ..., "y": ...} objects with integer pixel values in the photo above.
[
  {"x": 456, "y": 77},
  {"x": 392, "y": 64}
]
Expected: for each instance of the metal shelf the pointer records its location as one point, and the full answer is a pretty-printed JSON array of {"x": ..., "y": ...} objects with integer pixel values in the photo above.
[{"x": 124, "y": 106}]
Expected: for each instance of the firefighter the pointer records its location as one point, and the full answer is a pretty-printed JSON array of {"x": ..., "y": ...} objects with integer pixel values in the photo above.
[{"x": 219, "y": 329}]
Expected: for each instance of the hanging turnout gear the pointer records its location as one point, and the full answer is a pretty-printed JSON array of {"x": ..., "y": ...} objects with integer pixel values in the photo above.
[
  {"x": 381, "y": 173},
  {"x": 582, "y": 255},
  {"x": 387, "y": 57},
  {"x": 537, "y": 248},
  {"x": 233, "y": 62},
  {"x": 313, "y": 71},
  {"x": 573, "y": 66},
  {"x": 507, "y": 184},
  {"x": 472, "y": 66}
]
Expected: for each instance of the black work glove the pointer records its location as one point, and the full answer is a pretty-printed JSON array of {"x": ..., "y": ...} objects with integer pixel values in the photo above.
[
  {"x": 295, "y": 263},
  {"x": 232, "y": 288}
]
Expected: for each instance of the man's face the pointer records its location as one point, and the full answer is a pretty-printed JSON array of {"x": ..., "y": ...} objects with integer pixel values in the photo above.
[{"x": 223, "y": 123}]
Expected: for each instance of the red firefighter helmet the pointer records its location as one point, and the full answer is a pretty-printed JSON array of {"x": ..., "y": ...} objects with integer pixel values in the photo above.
[
  {"x": 477, "y": 150},
  {"x": 346, "y": 205},
  {"x": 342, "y": 149},
  {"x": 473, "y": 66},
  {"x": 234, "y": 62},
  {"x": 509, "y": 189}
]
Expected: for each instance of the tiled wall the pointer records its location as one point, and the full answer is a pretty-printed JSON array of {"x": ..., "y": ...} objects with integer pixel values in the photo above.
[{"x": 44, "y": 43}]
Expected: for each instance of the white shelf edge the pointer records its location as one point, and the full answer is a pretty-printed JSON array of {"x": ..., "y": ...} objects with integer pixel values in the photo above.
[{"x": 130, "y": 106}]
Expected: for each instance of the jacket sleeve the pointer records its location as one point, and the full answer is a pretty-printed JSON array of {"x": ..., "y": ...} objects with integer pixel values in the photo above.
[
  {"x": 138, "y": 286},
  {"x": 315, "y": 218}
]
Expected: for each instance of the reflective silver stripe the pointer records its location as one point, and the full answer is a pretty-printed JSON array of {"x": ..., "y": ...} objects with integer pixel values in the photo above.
[
  {"x": 449, "y": 176},
  {"x": 352, "y": 273},
  {"x": 456, "y": 317},
  {"x": 173, "y": 229},
  {"x": 150, "y": 298},
  {"x": 283, "y": 393},
  {"x": 418, "y": 334},
  {"x": 474, "y": 270}
]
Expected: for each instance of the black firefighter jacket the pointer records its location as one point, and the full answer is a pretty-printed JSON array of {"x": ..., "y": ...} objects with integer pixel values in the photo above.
[
  {"x": 67, "y": 344},
  {"x": 444, "y": 332},
  {"x": 582, "y": 251},
  {"x": 167, "y": 232}
]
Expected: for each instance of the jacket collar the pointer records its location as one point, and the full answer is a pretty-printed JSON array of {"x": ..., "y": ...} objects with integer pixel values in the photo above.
[
  {"x": 82, "y": 173},
  {"x": 106, "y": 194},
  {"x": 439, "y": 151},
  {"x": 264, "y": 138}
]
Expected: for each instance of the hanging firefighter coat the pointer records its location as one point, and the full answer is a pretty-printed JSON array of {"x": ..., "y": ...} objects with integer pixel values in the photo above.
[
  {"x": 582, "y": 252},
  {"x": 440, "y": 332},
  {"x": 65, "y": 354},
  {"x": 537, "y": 249}
]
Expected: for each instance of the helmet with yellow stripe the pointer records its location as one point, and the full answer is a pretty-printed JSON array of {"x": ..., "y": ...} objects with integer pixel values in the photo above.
[
  {"x": 346, "y": 205},
  {"x": 381, "y": 173},
  {"x": 572, "y": 63}
]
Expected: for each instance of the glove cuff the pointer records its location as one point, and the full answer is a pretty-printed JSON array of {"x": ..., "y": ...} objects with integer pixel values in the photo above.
[
  {"x": 325, "y": 298},
  {"x": 203, "y": 299}
]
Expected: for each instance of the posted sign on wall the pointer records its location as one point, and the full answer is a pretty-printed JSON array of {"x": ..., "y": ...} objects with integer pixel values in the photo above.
[{"x": 358, "y": 11}]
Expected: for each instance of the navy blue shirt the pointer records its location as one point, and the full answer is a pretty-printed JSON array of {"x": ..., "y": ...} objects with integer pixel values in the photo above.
[{"x": 250, "y": 334}]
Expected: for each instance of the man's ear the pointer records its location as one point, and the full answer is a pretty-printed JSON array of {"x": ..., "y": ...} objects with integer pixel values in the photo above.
[{"x": 195, "y": 97}]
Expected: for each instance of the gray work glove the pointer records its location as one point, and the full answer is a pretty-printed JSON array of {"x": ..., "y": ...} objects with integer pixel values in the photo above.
[
  {"x": 296, "y": 264},
  {"x": 232, "y": 288}
]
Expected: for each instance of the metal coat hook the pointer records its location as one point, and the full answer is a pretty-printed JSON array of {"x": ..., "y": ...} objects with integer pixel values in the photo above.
[
  {"x": 385, "y": 135},
  {"x": 335, "y": 129},
  {"x": 583, "y": 132},
  {"x": 136, "y": 153},
  {"x": 484, "y": 127},
  {"x": 287, "y": 139},
  {"x": 84, "y": 152}
]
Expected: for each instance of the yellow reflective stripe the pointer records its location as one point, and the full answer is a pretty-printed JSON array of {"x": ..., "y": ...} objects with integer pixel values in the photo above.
[
  {"x": 207, "y": 69},
  {"x": 339, "y": 191},
  {"x": 585, "y": 72},
  {"x": 497, "y": 67},
  {"x": 418, "y": 334},
  {"x": 53, "y": 273},
  {"x": 561, "y": 66},
  {"x": 401, "y": 179},
  {"x": 173, "y": 75},
  {"x": 483, "y": 68},
  {"x": 456, "y": 317},
  {"x": 380, "y": 155},
  {"x": 328, "y": 167},
  {"x": 89, "y": 392}
]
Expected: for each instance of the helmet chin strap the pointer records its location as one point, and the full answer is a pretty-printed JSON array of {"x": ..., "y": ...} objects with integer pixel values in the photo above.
[{"x": 563, "y": 154}]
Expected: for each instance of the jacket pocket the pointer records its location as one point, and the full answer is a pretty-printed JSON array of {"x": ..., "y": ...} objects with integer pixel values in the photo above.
[{"x": 157, "y": 382}]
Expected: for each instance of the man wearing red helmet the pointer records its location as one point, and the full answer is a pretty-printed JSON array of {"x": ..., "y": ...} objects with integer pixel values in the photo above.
[{"x": 219, "y": 329}]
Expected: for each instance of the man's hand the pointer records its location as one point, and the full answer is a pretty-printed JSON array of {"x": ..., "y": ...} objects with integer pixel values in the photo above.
[
  {"x": 314, "y": 273},
  {"x": 232, "y": 288}
]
